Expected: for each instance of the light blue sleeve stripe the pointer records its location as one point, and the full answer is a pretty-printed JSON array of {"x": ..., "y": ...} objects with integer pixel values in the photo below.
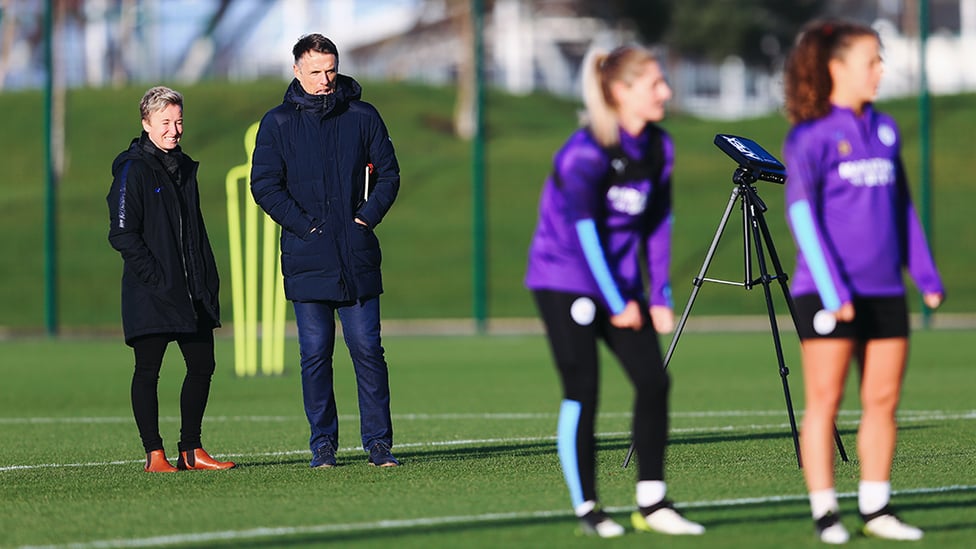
[
  {"x": 586, "y": 230},
  {"x": 124, "y": 177},
  {"x": 806, "y": 237},
  {"x": 569, "y": 415}
]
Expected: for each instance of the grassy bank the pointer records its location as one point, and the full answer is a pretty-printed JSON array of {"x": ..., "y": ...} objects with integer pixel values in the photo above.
[{"x": 427, "y": 236}]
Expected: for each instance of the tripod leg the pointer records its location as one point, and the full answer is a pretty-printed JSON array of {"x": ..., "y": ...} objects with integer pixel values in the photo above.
[
  {"x": 700, "y": 279},
  {"x": 757, "y": 221},
  {"x": 781, "y": 276},
  {"x": 840, "y": 444},
  {"x": 697, "y": 283}
]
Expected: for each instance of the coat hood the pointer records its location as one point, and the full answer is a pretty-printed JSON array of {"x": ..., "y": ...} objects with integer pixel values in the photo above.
[
  {"x": 139, "y": 149},
  {"x": 129, "y": 154},
  {"x": 346, "y": 90}
]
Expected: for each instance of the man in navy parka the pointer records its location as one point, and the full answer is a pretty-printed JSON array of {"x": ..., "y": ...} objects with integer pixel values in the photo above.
[{"x": 324, "y": 169}]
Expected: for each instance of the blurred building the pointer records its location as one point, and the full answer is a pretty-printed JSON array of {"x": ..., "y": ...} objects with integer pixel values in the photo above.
[{"x": 530, "y": 45}]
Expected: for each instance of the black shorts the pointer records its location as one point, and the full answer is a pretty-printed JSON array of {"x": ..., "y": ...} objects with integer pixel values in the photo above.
[{"x": 874, "y": 318}]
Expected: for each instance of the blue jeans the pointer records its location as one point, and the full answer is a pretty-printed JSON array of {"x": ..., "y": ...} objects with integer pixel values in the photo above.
[{"x": 316, "y": 342}]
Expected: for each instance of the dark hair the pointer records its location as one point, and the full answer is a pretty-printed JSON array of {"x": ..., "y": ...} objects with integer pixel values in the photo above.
[
  {"x": 806, "y": 78},
  {"x": 314, "y": 42}
]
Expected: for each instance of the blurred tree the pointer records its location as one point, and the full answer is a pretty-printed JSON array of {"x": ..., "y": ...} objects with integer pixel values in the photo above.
[
  {"x": 7, "y": 28},
  {"x": 758, "y": 31},
  {"x": 465, "y": 109},
  {"x": 651, "y": 17}
]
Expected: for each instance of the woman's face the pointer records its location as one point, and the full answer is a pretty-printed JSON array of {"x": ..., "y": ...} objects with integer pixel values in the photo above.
[
  {"x": 856, "y": 75},
  {"x": 165, "y": 127},
  {"x": 645, "y": 97}
]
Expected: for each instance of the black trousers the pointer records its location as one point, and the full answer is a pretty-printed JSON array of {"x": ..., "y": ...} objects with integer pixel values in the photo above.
[
  {"x": 574, "y": 324},
  {"x": 198, "y": 353}
]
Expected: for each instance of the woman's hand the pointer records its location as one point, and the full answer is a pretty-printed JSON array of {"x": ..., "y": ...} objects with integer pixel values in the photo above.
[
  {"x": 662, "y": 318},
  {"x": 845, "y": 313},
  {"x": 630, "y": 317},
  {"x": 933, "y": 299}
]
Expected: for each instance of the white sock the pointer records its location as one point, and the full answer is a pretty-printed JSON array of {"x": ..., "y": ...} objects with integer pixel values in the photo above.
[
  {"x": 872, "y": 496},
  {"x": 822, "y": 502},
  {"x": 650, "y": 492},
  {"x": 585, "y": 508}
]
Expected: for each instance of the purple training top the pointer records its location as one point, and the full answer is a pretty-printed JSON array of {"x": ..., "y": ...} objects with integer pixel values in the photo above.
[
  {"x": 850, "y": 211},
  {"x": 598, "y": 210}
]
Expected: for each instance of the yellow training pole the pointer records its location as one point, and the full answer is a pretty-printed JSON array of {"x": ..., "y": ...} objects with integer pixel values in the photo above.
[
  {"x": 269, "y": 253},
  {"x": 234, "y": 175},
  {"x": 247, "y": 278},
  {"x": 280, "y": 307}
]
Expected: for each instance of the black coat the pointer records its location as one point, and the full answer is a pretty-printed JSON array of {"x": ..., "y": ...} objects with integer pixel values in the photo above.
[
  {"x": 308, "y": 171},
  {"x": 163, "y": 245}
]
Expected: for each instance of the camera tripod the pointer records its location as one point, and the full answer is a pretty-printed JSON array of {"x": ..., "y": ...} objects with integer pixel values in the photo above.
[{"x": 755, "y": 234}]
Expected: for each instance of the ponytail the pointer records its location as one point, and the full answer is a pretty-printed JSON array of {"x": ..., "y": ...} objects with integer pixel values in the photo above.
[
  {"x": 600, "y": 115},
  {"x": 600, "y": 70}
]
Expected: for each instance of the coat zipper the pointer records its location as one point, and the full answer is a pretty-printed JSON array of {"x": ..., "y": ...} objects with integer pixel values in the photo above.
[{"x": 186, "y": 273}]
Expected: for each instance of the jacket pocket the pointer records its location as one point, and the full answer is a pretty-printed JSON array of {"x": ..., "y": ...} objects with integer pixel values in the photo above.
[
  {"x": 315, "y": 255},
  {"x": 366, "y": 249}
]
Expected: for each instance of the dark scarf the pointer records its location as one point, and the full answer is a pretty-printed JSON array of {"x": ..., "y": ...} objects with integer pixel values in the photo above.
[{"x": 170, "y": 160}]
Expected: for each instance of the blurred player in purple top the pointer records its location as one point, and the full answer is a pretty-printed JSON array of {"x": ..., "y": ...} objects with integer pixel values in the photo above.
[
  {"x": 856, "y": 230},
  {"x": 606, "y": 204}
]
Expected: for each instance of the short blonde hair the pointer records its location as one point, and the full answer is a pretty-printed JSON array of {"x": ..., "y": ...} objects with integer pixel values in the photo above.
[{"x": 158, "y": 98}]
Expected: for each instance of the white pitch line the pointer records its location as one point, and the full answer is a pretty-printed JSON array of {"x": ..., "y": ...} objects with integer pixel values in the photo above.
[
  {"x": 454, "y": 416},
  {"x": 507, "y": 440},
  {"x": 405, "y": 524}
]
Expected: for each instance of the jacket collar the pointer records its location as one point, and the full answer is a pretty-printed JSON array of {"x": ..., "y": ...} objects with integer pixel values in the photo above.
[{"x": 347, "y": 89}]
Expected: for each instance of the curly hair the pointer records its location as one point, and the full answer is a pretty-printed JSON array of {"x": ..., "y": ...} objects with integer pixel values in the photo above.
[{"x": 807, "y": 78}]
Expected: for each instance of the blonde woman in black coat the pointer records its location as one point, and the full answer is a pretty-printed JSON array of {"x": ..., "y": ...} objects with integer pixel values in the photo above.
[{"x": 169, "y": 276}]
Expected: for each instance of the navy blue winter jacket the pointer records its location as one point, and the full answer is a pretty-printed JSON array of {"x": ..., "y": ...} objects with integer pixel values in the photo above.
[
  {"x": 309, "y": 173},
  {"x": 165, "y": 249}
]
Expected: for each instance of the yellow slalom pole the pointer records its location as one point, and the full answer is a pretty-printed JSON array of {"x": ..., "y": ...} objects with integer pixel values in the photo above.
[
  {"x": 236, "y": 268},
  {"x": 269, "y": 276},
  {"x": 245, "y": 276},
  {"x": 280, "y": 305}
]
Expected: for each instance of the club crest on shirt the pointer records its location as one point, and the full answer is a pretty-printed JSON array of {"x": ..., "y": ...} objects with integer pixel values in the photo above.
[
  {"x": 886, "y": 134},
  {"x": 844, "y": 147}
]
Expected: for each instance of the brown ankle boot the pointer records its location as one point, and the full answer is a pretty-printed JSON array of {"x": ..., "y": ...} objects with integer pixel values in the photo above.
[
  {"x": 199, "y": 460},
  {"x": 156, "y": 463}
]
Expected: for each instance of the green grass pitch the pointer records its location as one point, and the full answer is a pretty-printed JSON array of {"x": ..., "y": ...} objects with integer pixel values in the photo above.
[{"x": 475, "y": 423}]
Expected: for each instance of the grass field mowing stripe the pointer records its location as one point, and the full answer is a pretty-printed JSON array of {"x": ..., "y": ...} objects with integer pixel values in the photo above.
[
  {"x": 925, "y": 416},
  {"x": 405, "y": 524},
  {"x": 904, "y": 414}
]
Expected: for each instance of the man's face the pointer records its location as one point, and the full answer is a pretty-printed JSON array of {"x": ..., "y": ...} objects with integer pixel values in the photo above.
[
  {"x": 165, "y": 127},
  {"x": 317, "y": 72}
]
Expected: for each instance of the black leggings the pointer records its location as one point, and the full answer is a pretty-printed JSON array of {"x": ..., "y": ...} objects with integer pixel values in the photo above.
[
  {"x": 574, "y": 346},
  {"x": 198, "y": 353}
]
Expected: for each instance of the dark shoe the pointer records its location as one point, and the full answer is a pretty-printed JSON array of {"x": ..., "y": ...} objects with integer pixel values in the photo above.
[
  {"x": 156, "y": 463},
  {"x": 830, "y": 529},
  {"x": 380, "y": 455},
  {"x": 199, "y": 460},
  {"x": 598, "y": 523},
  {"x": 324, "y": 456}
]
